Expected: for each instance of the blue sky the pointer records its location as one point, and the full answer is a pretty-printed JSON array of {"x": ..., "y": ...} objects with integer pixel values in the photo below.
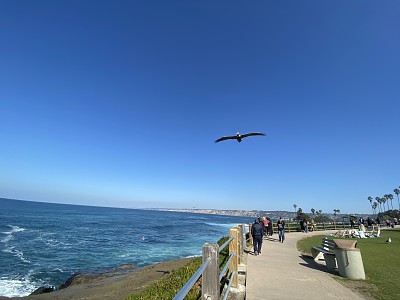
[{"x": 118, "y": 103}]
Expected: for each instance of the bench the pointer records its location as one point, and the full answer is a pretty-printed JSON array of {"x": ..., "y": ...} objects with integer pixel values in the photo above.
[{"x": 326, "y": 252}]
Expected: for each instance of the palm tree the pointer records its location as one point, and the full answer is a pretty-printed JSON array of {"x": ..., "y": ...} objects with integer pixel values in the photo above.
[
  {"x": 295, "y": 211},
  {"x": 383, "y": 199},
  {"x": 335, "y": 212},
  {"x": 313, "y": 210},
  {"x": 390, "y": 197},
  {"x": 374, "y": 206},
  {"x": 380, "y": 203},
  {"x": 387, "y": 201},
  {"x": 397, "y": 192},
  {"x": 370, "y": 201}
]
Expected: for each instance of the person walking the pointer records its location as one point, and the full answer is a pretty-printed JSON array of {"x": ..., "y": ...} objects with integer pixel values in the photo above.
[
  {"x": 270, "y": 229},
  {"x": 261, "y": 221},
  {"x": 265, "y": 222},
  {"x": 305, "y": 222},
  {"x": 312, "y": 225},
  {"x": 281, "y": 229},
  {"x": 257, "y": 234}
]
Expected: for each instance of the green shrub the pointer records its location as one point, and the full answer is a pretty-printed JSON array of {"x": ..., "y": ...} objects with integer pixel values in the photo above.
[{"x": 168, "y": 287}]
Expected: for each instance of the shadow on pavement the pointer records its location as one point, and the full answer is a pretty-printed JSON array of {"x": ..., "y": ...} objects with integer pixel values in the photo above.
[
  {"x": 268, "y": 238},
  {"x": 249, "y": 252},
  {"x": 310, "y": 263}
]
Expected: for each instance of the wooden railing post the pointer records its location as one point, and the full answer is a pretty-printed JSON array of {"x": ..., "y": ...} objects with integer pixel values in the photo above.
[
  {"x": 242, "y": 234},
  {"x": 210, "y": 278},
  {"x": 239, "y": 244},
  {"x": 233, "y": 248},
  {"x": 250, "y": 235}
]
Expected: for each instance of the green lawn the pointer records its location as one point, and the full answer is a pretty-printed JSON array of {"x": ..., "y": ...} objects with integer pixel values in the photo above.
[{"x": 381, "y": 264}]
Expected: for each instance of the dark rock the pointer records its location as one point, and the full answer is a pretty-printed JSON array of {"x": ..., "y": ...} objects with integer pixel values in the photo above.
[
  {"x": 69, "y": 281},
  {"x": 43, "y": 290},
  {"x": 88, "y": 277}
]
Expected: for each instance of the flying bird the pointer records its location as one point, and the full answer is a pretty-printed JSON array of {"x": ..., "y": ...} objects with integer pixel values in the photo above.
[{"x": 238, "y": 136}]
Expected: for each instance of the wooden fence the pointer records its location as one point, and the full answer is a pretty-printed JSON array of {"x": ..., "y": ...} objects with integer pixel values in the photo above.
[
  {"x": 210, "y": 272},
  {"x": 293, "y": 227}
]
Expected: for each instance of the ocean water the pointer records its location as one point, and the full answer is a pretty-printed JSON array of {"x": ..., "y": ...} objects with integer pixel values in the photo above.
[{"x": 44, "y": 244}]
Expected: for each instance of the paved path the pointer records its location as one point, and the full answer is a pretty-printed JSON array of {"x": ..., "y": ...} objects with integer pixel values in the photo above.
[{"x": 280, "y": 272}]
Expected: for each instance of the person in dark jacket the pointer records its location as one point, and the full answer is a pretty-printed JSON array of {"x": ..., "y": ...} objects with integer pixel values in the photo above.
[
  {"x": 270, "y": 228},
  {"x": 257, "y": 234},
  {"x": 281, "y": 229}
]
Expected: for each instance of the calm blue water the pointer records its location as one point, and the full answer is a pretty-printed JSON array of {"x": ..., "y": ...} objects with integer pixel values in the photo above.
[{"x": 44, "y": 243}]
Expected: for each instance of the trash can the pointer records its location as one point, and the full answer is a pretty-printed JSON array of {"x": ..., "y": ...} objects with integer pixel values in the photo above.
[{"x": 349, "y": 259}]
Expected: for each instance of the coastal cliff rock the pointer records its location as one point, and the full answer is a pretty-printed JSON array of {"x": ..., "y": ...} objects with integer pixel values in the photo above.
[
  {"x": 88, "y": 277},
  {"x": 43, "y": 290},
  {"x": 121, "y": 282}
]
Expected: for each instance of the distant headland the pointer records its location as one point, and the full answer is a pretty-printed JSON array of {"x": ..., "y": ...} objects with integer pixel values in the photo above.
[{"x": 252, "y": 213}]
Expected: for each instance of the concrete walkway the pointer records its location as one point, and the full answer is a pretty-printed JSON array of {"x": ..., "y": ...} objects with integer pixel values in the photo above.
[{"x": 280, "y": 272}]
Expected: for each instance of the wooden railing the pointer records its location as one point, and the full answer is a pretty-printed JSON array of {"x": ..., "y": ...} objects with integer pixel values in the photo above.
[
  {"x": 293, "y": 227},
  {"x": 209, "y": 270}
]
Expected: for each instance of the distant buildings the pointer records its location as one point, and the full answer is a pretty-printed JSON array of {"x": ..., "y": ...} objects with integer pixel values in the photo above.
[{"x": 273, "y": 215}]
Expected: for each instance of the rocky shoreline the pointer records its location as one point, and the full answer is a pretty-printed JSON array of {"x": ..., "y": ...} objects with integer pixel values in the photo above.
[{"x": 117, "y": 283}]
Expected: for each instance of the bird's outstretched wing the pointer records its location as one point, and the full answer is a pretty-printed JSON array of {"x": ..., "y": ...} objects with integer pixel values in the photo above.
[
  {"x": 252, "y": 133},
  {"x": 233, "y": 137}
]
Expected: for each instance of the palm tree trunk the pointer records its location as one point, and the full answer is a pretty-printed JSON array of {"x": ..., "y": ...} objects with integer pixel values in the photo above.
[{"x": 398, "y": 201}]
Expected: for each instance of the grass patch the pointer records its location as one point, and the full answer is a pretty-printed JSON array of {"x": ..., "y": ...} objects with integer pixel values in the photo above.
[
  {"x": 304, "y": 245},
  {"x": 381, "y": 264},
  {"x": 168, "y": 287}
]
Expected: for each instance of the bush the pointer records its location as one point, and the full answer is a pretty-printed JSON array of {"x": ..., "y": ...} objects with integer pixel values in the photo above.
[{"x": 168, "y": 287}]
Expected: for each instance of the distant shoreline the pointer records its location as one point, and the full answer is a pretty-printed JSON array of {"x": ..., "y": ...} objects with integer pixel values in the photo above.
[
  {"x": 237, "y": 213},
  {"x": 223, "y": 212},
  {"x": 273, "y": 214}
]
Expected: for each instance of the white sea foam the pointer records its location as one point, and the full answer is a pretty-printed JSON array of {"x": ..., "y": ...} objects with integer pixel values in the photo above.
[
  {"x": 16, "y": 253},
  {"x": 9, "y": 234},
  {"x": 20, "y": 254},
  {"x": 193, "y": 256},
  {"x": 7, "y": 238},
  {"x": 225, "y": 225},
  {"x": 52, "y": 242},
  {"x": 124, "y": 255},
  {"x": 16, "y": 287},
  {"x": 59, "y": 270},
  {"x": 15, "y": 229}
]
